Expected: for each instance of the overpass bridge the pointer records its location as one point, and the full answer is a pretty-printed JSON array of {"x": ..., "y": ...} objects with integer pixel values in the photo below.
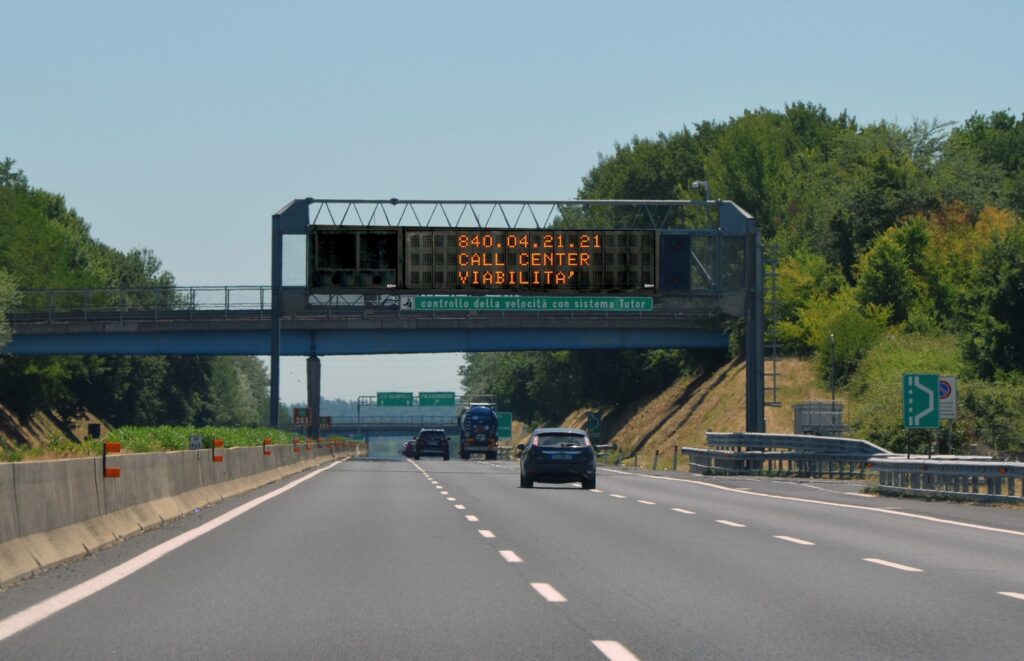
[{"x": 370, "y": 276}]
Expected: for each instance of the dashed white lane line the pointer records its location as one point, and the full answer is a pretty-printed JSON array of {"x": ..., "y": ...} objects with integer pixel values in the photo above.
[
  {"x": 548, "y": 592},
  {"x": 616, "y": 495},
  {"x": 58, "y": 602},
  {"x": 726, "y": 522},
  {"x": 439, "y": 487},
  {"x": 450, "y": 498},
  {"x": 510, "y": 556},
  {"x": 682, "y": 511},
  {"x": 614, "y": 650},
  {"x": 647, "y": 502},
  {"x": 486, "y": 533},
  {"x": 472, "y": 517},
  {"x": 794, "y": 540},
  {"x": 460, "y": 507},
  {"x": 894, "y": 565},
  {"x": 1013, "y": 595},
  {"x": 597, "y": 491},
  {"x": 444, "y": 493}
]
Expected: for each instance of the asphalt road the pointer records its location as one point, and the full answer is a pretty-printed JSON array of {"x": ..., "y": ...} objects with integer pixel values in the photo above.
[{"x": 452, "y": 560}]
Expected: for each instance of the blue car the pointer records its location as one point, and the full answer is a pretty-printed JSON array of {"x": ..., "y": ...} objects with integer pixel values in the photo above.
[{"x": 559, "y": 455}]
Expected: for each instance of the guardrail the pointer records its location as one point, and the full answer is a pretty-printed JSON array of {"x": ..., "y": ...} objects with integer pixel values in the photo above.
[
  {"x": 969, "y": 480},
  {"x": 782, "y": 454}
]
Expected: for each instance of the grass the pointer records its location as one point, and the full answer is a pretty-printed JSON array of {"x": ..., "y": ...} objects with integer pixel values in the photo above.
[{"x": 151, "y": 439}]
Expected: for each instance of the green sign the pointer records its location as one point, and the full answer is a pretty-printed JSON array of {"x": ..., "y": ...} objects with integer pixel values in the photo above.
[
  {"x": 921, "y": 401},
  {"x": 534, "y": 303},
  {"x": 504, "y": 426},
  {"x": 594, "y": 425},
  {"x": 437, "y": 399},
  {"x": 394, "y": 399}
]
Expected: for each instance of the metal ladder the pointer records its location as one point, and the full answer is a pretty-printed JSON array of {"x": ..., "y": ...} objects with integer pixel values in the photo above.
[{"x": 771, "y": 325}]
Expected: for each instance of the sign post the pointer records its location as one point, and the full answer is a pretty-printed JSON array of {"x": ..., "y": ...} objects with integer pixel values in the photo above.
[
  {"x": 594, "y": 425},
  {"x": 920, "y": 404}
]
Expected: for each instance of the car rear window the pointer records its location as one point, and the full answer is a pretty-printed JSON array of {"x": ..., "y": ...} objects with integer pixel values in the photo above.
[
  {"x": 432, "y": 435},
  {"x": 562, "y": 440}
]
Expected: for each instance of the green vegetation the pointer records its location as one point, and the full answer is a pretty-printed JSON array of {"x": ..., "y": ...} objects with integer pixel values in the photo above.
[
  {"x": 154, "y": 439},
  {"x": 903, "y": 245},
  {"x": 46, "y": 244}
]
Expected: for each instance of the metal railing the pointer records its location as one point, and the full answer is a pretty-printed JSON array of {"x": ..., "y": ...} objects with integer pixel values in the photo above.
[
  {"x": 782, "y": 454},
  {"x": 968, "y": 480}
]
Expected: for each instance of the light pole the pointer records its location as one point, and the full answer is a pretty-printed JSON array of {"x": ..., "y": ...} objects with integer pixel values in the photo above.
[{"x": 832, "y": 376}]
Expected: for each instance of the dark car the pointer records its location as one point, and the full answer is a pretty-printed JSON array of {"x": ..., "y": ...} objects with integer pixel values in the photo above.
[
  {"x": 558, "y": 454},
  {"x": 431, "y": 442},
  {"x": 409, "y": 449}
]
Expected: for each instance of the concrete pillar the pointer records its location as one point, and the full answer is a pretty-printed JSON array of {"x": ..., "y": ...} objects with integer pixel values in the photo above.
[{"x": 313, "y": 395}]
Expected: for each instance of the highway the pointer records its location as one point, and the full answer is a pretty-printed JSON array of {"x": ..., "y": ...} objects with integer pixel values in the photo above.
[{"x": 452, "y": 560}]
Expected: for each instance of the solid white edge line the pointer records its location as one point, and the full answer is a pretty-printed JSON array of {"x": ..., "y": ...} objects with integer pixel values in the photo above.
[
  {"x": 547, "y": 591},
  {"x": 681, "y": 510},
  {"x": 613, "y": 650},
  {"x": 510, "y": 556},
  {"x": 486, "y": 533},
  {"x": 893, "y": 565},
  {"x": 863, "y": 508},
  {"x": 1013, "y": 595},
  {"x": 794, "y": 540},
  {"x": 58, "y": 602},
  {"x": 732, "y": 524}
]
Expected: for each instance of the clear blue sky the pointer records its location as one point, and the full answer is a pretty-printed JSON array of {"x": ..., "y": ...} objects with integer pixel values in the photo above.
[{"x": 183, "y": 126}]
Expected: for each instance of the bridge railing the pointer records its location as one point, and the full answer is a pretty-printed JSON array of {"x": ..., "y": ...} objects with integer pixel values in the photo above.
[{"x": 138, "y": 303}]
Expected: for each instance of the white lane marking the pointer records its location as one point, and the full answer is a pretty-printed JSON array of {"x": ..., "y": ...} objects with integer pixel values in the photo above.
[
  {"x": 450, "y": 498},
  {"x": 681, "y": 510},
  {"x": 486, "y": 533},
  {"x": 894, "y": 565},
  {"x": 795, "y": 540},
  {"x": 472, "y": 517},
  {"x": 510, "y": 556},
  {"x": 1013, "y": 595},
  {"x": 439, "y": 487},
  {"x": 596, "y": 491},
  {"x": 863, "y": 508},
  {"x": 58, "y": 602},
  {"x": 615, "y": 495},
  {"x": 646, "y": 502},
  {"x": 444, "y": 493},
  {"x": 548, "y": 592},
  {"x": 613, "y": 650},
  {"x": 460, "y": 507},
  {"x": 726, "y": 522}
]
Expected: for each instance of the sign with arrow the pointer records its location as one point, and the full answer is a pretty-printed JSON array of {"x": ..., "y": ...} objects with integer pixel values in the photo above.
[{"x": 921, "y": 401}]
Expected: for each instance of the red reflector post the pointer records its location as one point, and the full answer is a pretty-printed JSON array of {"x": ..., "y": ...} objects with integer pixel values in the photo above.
[
  {"x": 266, "y": 447},
  {"x": 112, "y": 472},
  {"x": 218, "y": 457},
  {"x": 110, "y": 448}
]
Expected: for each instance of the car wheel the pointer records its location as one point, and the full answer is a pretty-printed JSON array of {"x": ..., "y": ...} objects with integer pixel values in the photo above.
[
  {"x": 465, "y": 456},
  {"x": 416, "y": 457},
  {"x": 492, "y": 456},
  {"x": 525, "y": 483},
  {"x": 445, "y": 456},
  {"x": 590, "y": 484}
]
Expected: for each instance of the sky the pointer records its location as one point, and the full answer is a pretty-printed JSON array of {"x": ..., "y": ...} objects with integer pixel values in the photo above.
[{"x": 182, "y": 127}]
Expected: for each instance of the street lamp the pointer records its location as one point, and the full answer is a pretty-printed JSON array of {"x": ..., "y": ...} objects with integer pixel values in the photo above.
[{"x": 832, "y": 375}]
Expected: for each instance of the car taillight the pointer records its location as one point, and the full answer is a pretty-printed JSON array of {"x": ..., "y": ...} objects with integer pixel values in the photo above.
[{"x": 535, "y": 442}]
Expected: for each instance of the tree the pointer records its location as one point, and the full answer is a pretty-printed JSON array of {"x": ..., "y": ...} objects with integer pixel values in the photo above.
[{"x": 8, "y": 299}]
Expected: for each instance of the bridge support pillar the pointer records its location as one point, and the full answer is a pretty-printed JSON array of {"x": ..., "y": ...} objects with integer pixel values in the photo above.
[{"x": 313, "y": 394}]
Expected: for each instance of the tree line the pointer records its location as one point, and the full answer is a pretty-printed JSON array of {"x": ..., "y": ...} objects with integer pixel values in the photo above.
[
  {"x": 903, "y": 244},
  {"x": 47, "y": 245}
]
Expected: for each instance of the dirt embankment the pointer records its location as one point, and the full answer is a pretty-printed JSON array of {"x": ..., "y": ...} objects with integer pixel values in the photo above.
[
  {"x": 691, "y": 406},
  {"x": 42, "y": 428}
]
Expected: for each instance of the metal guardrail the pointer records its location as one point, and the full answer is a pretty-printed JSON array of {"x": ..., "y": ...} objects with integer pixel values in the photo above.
[
  {"x": 795, "y": 442},
  {"x": 969, "y": 480},
  {"x": 782, "y": 454}
]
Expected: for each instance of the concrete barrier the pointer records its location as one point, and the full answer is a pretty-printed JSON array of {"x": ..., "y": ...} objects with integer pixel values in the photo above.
[{"x": 56, "y": 511}]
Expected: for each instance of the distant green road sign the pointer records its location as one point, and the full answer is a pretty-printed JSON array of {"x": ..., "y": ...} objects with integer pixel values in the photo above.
[
  {"x": 533, "y": 303},
  {"x": 921, "y": 401},
  {"x": 394, "y": 399},
  {"x": 505, "y": 426},
  {"x": 437, "y": 399},
  {"x": 594, "y": 425}
]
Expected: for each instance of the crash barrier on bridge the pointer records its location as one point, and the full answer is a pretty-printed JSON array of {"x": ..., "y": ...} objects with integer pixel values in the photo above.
[
  {"x": 55, "y": 511},
  {"x": 968, "y": 480},
  {"x": 782, "y": 454}
]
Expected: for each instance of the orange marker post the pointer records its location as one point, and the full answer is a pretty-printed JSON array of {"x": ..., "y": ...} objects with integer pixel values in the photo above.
[
  {"x": 295, "y": 445},
  {"x": 266, "y": 447},
  {"x": 111, "y": 448},
  {"x": 217, "y": 443}
]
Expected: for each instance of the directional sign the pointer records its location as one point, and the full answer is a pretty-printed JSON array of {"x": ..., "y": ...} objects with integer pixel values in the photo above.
[
  {"x": 947, "y": 397},
  {"x": 394, "y": 399},
  {"x": 437, "y": 399},
  {"x": 504, "y": 426},
  {"x": 594, "y": 425},
  {"x": 921, "y": 401}
]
